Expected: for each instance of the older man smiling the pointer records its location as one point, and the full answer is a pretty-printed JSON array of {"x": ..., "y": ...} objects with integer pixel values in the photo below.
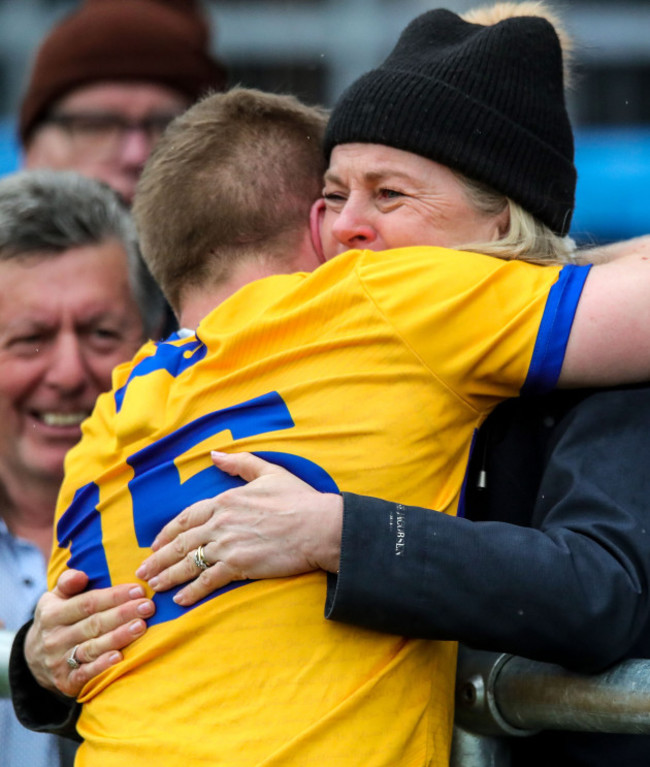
[{"x": 70, "y": 284}]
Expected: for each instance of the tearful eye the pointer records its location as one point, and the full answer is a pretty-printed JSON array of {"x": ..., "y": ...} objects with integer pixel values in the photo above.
[{"x": 389, "y": 194}]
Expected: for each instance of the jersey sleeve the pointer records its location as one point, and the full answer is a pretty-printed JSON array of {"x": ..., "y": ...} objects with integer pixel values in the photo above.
[{"x": 488, "y": 329}]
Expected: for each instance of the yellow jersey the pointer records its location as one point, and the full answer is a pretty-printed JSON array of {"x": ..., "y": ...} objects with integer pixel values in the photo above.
[{"x": 371, "y": 375}]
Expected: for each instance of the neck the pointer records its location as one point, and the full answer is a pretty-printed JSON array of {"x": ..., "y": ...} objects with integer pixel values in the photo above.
[
  {"x": 27, "y": 507},
  {"x": 196, "y": 303}
]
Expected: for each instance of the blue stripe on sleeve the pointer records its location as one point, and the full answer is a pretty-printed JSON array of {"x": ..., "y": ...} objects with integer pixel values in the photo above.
[{"x": 554, "y": 330}]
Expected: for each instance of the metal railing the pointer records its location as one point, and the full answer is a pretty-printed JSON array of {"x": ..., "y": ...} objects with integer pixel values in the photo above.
[{"x": 501, "y": 696}]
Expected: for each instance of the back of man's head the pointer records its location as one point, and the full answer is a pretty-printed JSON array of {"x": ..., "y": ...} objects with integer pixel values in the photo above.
[
  {"x": 161, "y": 42},
  {"x": 232, "y": 178}
]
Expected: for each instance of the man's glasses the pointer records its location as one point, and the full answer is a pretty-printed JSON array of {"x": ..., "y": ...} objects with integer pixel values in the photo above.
[{"x": 103, "y": 132}]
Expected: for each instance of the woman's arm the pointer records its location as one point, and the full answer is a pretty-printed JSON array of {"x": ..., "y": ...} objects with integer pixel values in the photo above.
[
  {"x": 577, "y": 558},
  {"x": 609, "y": 342},
  {"x": 601, "y": 254},
  {"x": 558, "y": 572}
]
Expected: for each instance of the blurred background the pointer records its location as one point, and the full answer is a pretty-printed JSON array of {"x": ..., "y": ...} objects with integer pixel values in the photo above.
[{"x": 314, "y": 48}]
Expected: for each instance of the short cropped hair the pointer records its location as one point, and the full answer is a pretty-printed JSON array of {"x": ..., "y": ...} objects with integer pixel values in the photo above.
[
  {"x": 48, "y": 212},
  {"x": 233, "y": 176}
]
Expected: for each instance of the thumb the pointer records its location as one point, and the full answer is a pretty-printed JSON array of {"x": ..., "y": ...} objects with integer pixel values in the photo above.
[
  {"x": 70, "y": 583},
  {"x": 244, "y": 465}
]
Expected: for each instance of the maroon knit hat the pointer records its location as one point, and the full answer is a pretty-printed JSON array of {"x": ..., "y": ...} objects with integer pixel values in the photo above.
[{"x": 162, "y": 41}]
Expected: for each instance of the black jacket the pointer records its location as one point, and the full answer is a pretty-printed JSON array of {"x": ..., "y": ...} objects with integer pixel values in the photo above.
[
  {"x": 552, "y": 563},
  {"x": 37, "y": 708}
]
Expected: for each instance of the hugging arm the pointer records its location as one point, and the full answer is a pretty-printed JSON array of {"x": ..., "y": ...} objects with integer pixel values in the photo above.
[
  {"x": 558, "y": 574},
  {"x": 609, "y": 342},
  {"x": 558, "y": 538}
]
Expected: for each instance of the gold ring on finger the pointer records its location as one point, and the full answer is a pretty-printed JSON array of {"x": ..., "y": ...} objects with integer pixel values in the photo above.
[{"x": 199, "y": 559}]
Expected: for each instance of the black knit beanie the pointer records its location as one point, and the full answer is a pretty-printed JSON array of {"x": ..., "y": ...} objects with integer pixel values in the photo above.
[{"x": 487, "y": 101}]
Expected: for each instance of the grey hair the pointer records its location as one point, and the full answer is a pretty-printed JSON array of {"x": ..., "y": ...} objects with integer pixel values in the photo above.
[{"x": 47, "y": 212}]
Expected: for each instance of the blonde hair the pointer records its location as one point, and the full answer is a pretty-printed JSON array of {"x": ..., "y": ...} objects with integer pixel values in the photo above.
[
  {"x": 233, "y": 176},
  {"x": 527, "y": 239}
]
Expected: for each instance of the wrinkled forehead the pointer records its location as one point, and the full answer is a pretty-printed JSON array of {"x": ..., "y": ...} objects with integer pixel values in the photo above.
[
  {"x": 374, "y": 163},
  {"x": 80, "y": 280}
]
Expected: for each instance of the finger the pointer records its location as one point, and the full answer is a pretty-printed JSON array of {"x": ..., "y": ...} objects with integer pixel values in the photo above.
[
  {"x": 171, "y": 553},
  {"x": 191, "y": 517},
  {"x": 70, "y": 583},
  {"x": 97, "y": 654},
  {"x": 105, "y": 631},
  {"x": 112, "y": 640},
  {"x": 244, "y": 465},
  {"x": 96, "y": 635},
  {"x": 77, "y": 679},
  {"x": 215, "y": 577},
  {"x": 178, "y": 573},
  {"x": 56, "y": 612}
]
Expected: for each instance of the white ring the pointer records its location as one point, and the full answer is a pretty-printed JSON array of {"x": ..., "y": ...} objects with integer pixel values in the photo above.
[{"x": 71, "y": 660}]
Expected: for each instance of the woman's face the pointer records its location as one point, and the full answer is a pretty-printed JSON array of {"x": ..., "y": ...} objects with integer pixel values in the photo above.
[{"x": 377, "y": 198}]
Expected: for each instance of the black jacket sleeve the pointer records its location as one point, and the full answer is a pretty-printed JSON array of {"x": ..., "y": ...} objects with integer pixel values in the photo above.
[
  {"x": 556, "y": 568},
  {"x": 37, "y": 708}
]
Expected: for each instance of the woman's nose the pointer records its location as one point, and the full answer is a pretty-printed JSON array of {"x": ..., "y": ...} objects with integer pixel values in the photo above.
[{"x": 353, "y": 227}]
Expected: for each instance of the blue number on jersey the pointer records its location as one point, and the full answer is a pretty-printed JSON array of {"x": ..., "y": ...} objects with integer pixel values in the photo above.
[{"x": 159, "y": 495}]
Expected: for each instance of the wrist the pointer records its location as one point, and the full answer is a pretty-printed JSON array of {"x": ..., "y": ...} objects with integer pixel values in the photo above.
[
  {"x": 32, "y": 661},
  {"x": 330, "y": 524}
]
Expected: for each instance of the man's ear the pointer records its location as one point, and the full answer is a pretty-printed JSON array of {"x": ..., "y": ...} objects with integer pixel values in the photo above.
[{"x": 315, "y": 220}]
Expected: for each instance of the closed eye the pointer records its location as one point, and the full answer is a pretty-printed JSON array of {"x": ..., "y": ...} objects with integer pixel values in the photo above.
[
  {"x": 334, "y": 200},
  {"x": 27, "y": 345}
]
